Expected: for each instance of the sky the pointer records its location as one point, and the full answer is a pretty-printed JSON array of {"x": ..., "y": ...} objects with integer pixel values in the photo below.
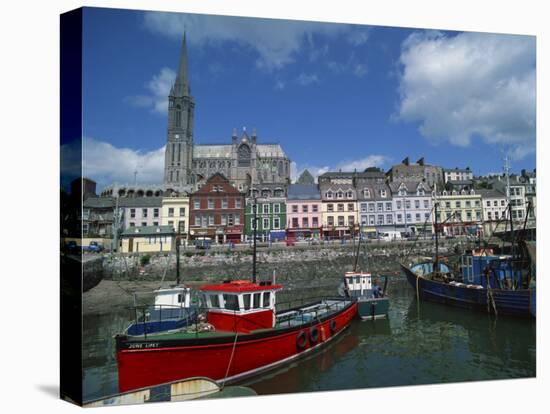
[{"x": 334, "y": 96}]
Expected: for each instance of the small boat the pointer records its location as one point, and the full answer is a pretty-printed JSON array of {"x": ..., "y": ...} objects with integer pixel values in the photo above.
[
  {"x": 243, "y": 336},
  {"x": 371, "y": 300},
  {"x": 172, "y": 310}
]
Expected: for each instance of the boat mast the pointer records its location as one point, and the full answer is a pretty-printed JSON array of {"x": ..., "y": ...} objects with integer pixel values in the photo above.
[
  {"x": 177, "y": 260},
  {"x": 254, "y": 227},
  {"x": 357, "y": 251},
  {"x": 436, "y": 262},
  {"x": 507, "y": 173}
]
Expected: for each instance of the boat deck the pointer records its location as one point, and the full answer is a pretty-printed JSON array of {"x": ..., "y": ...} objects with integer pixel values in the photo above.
[{"x": 285, "y": 319}]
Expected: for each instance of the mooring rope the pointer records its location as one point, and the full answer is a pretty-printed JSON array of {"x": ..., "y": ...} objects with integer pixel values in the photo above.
[{"x": 230, "y": 359}]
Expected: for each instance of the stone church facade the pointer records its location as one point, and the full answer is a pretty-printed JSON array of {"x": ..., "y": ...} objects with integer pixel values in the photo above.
[{"x": 243, "y": 161}]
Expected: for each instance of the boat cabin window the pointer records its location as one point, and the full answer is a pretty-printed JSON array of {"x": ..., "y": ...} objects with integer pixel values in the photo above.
[
  {"x": 267, "y": 299},
  {"x": 357, "y": 279},
  {"x": 231, "y": 302},
  {"x": 214, "y": 301},
  {"x": 246, "y": 301},
  {"x": 181, "y": 297},
  {"x": 257, "y": 300}
]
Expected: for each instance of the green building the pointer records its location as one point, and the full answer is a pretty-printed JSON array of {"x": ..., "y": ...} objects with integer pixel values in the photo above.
[{"x": 271, "y": 218}]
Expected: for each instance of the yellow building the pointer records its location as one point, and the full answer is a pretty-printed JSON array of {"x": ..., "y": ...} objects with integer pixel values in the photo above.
[
  {"x": 175, "y": 213},
  {"x": 148, "y": 239},
  {"x": 340, "y": 217},
  {"x": 458, "y": 210}
]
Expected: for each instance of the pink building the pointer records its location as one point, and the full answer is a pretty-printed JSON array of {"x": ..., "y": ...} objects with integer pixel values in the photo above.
[{"x": 303, "y": 211}]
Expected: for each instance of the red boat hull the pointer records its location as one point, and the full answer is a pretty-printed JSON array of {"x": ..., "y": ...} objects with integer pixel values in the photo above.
[{"x": 146, "y": 363}]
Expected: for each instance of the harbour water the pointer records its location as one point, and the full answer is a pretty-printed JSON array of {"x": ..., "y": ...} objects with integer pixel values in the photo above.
[{"x": 420, "y": 343}]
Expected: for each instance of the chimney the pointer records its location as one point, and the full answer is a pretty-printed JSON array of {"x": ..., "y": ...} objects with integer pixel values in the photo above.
[
  {"x": 405, "y": 161},
  {"x": 420, "y": 161},
  {"x": 254, "y": 135},
  {"x": 234, "y": 136}
]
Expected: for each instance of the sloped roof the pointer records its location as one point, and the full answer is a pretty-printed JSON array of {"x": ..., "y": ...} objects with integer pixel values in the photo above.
[
  {"x": 140, "y": 202},
  {"x": 99, "y": 202},
  {"x": 211, "y": 151},
  {"x": 303, "y": 192},
  {"x": 490, "y": 193}
]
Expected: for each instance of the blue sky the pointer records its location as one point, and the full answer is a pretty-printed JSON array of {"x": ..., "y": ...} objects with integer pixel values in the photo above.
[{"x": 333, "y": 95}]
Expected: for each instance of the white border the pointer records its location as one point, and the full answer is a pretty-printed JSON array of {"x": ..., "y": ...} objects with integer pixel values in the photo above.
[{"x": 30, "y": 120}]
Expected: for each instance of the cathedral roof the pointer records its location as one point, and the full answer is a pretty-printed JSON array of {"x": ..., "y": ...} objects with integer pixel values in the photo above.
[{"x": 224, "y": 151}]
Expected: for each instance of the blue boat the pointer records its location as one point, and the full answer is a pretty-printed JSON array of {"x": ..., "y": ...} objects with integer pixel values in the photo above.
[{"x": 171, "y": 311}]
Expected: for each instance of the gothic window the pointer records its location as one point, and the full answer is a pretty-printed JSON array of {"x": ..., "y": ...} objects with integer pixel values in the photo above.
[
  {"x": 243, "y": 155},
  {"x": 212, "y": 164},
  {"x": 280, "y": 168}
]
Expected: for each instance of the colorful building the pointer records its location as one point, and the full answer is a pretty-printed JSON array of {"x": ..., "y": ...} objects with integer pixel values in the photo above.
[
  {"x": 412, "y": 204},
  {"x": 339, "y": 204},
  {"x": 459, "y": 212},
  {"x": 495, "y": 212},
  {"x": 375, "y": 207},
  {"x": 271, "y": 212},
  {"x": 217, "y": 211},
  {"x": 147, "y": 239},
  {"x": 175, "y": 213},
  {"x": 140, "y": 211},
  {"x": 303, "y": 211}
]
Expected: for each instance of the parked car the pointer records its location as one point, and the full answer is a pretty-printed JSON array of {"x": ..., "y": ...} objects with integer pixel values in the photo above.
[
  {"x": 93, "y": 247},
  {"x": 290, "y": 242},
  {"x": 71, "y": 247},
  {"x": 202, "y": 244}
]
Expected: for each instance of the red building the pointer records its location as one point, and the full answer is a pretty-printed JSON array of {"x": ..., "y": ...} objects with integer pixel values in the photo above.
[{"x": 217, "y": 211}]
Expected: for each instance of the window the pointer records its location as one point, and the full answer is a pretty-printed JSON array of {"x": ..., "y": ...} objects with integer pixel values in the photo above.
[
  {"x": 143, "y": 224},
  {"x": 351, "y": 207},
  {"x": 267, "y": 300},
  {"x": 408, "y": 217},
  {"x": 330, "y": 221},
  {"x": 371, "y": 207},
  {"x": 211, "y": 220},
  {"x": 182, "y": 211},
  {"x": 489, "y": 203},
  {"x": 495, "y": 203},
  {"x": 155, "y": 223},
  {"x": 224, "y": 203},
  {"x": 265, "y": 208},
  {"x": 468, "y": 215},
  {"x": 257, "y": 297},
  {"x": 408, "y": 204},
  {"x": 315, "y": 208},
  {"x": 132, "y": 224},
  {"x": 305, "y": 222},
  {"x": 351, "y": 221},
  {"x": 340, "y": 207},
  {"x": 426, "y": 204},
  {"x": 231, "y": 302},
  {"x": 276, "y": 223},
  {"x": 398, "y": 205},
  {"x": 417, "y": 204},
  {"x": 426, "y": 216},
  {"x": 237, "y": 203},
  {"x": 132, "y": 212},
  {"x": 350, "y": 194},
  {"x": 171, "y": 223},
  {"x": 340, "y": 194},
  {"x": 380, "y": 206},
  {"x": 171, "y": 212},
  {"x": 294, "y": 208},
  {"x": 389, "y": 219},
  {"x": 383, "y": 193},
  {"x": 237, "y": 219},
  {"x": 224, "y": 219},
  {"x": 399, "y": 218},
  {"x": 295, "y": 222},
  {"x": 215, "y": 301},
  {"x": 341, "y": 221},
  {"x": 315, "y": 222},
  {"x": 305, "y": 208},
  {"x": 155, "y": 213},
  {"x": 478, "y": 215},
  {"x": 266, "y": 224},
  {"x": 447, "y": 204},
  {"x": 388, "y": 206},
  {"x": 197, "y": 204},
  {"x": 277, "y": 208},
  {"x": 417, "y": 216},
  {"x": 478, "y": 203},
  {"x": 502, "y": 203},
  {"x": 366, "y": 193},
  {"x": 197, "y": 221},
  {"x": 371, "y": 220},
  {"x": 489, "y": 215},
  {"x": 210, "y": 203},
  {"x": 468, "y": 204},
  {"x": 380, "y": 219},
  {"x": 144, "y": 212},
  {"x": 328, "y": 194},
  {"x": 457, "y": 204},
  {"x": 363, "y": 207},
  {"x": 246, "y": 301}
]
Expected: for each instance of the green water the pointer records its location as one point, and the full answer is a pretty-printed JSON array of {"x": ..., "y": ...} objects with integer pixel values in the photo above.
[{"x": 419, "y": 344}]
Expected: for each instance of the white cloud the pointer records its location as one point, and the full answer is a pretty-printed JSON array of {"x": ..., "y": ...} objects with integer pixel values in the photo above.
[
  {"x": 359, "y": 36},
  {"x": 108, "y": 164},
  {"x": 305, "y": 79},
  {"x": 159, "y": 88},
  {"x": 275, "y": 41},
  {"x": 346, "y": 165},
  {"x": 352, "y": 65},
  {"x": 279, "y": 85},
  {"x": 470, "y": 86}
]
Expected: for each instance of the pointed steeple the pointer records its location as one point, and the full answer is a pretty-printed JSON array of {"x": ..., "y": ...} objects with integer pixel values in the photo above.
[{"x": 181, "y": 85}]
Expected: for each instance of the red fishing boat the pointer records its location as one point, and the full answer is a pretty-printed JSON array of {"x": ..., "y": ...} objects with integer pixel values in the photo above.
[{"x": 243, "y": 336}]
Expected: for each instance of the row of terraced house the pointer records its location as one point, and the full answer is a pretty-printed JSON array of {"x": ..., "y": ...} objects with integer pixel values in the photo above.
[{"x": 340, "y": 205}]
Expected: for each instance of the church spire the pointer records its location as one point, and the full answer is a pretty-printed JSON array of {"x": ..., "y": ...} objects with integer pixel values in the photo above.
[{"x": 181, "y": 85}]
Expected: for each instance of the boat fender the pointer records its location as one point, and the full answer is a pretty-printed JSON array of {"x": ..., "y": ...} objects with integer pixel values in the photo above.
[
  {"x": 313, "y": 334},
  {"x": 301, "y": 340},
  {"x": 332, "y": 326}
]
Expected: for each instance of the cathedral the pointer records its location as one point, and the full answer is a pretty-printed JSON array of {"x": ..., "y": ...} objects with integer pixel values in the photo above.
[{"x": 244, "y": 161}]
